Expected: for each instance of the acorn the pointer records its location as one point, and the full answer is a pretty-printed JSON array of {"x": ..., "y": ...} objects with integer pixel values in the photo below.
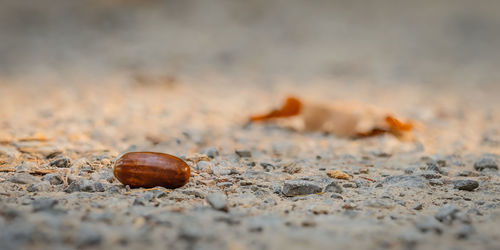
[{"x": 151, "y": 169}]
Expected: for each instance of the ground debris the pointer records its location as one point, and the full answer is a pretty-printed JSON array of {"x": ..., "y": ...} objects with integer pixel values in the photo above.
[
  {"x": 342, "y": 118},
  {"x": 337, "y": 174}
]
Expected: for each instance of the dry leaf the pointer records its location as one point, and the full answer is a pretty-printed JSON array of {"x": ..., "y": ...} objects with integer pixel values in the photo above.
[
  {"x": 337, "y": 174},
  {"x": 344, "y": 119}
]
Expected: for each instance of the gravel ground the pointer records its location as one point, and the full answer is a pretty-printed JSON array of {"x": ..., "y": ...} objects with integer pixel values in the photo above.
[
  {"x": 255, "y": 186},
  {"x": 82, "y": 82}
]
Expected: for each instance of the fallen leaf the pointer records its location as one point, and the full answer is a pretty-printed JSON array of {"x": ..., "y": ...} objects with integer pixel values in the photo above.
[
  {"x": 292, "y": 107},
  {"x": 337, "y": 174},
  {"x": 342, "y": 118}
]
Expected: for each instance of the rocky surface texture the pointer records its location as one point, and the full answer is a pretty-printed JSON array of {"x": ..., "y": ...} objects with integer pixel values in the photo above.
[{"x": 252, "y": 186}]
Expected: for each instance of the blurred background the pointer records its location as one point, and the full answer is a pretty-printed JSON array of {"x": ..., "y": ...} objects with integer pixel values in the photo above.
[{"x": 389, "y": 41}]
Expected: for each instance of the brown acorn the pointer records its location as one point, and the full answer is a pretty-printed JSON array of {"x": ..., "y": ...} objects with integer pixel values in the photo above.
[{"x": 150, "y": 169}]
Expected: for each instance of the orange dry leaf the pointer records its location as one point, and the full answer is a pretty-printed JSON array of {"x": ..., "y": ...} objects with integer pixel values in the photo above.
[
  {"x": 344, "y": 119},
  {"x": 292, "y": 107}
]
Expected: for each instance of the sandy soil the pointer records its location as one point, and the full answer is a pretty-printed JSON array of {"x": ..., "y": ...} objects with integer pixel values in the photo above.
[
  {"x": 82, "y": 82},
  {"x": 59, "y": 143}
]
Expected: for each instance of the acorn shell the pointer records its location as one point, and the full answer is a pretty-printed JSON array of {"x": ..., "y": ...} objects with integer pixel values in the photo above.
[{"x": 150, "y": 169}]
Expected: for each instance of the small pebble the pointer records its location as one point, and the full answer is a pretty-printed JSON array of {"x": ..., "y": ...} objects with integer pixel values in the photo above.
[
  {"x": 467, "y": 185},
  {"x": 486, "y": 162},
  {"x": 218, "y": 201},
  {"x": 418, "y": 207},
  {"x": 23, "y": 178},
  {"x": 333, "y": 187},
  {"x": 202, "y": 165},
  {"x": 64, "y": 162},
  {"x": 336, "y": 196},
  {"x": 430, "y": 175},
  {"x": 243, "y": 153},
  {"x": 292, "y": 168},
  {"x": 211, "y": 152},
  {"x": 300, "y": 187},
  {"x": 43, "y": 186},
  {"x": 53, "y": 179},
  {"x": 75, "y": 186}
]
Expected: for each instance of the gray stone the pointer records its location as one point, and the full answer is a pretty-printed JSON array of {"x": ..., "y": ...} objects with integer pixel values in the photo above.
[
  {"x": 194, "y": 192},
  {"x": 292, "y": 168},
  {"x": 467, "y": 185},
  {"x": 267, "y": 166},
  {"x": 362, "y": 183},
  {"x": 202, "y": 165},
  {"x": 467, "y": 173},
  {"x": 418, "y": 206},
  {"x": 43, "y": 204},
  {"x": 218, "y": 201},
  {"x": 436, "y": 182},
  {"x": 53, "y": 179},
  {"x": 275, "y": 188},
  {"x": 221, "y": 170},
  {"x": 63, "y": 162},
  {"x": 432, "y": 166},
  {"x": 211, "y": 152},
  {"x": 300, "y": 187},
  {"x": 99, "y": 187},
  {"x": 104, "y": 175},
  {"x": 430, "y": 175},
  {"x": 486, "y": 162},
  {"x": 334, "y": 187},
  {"x": 350, "y": 185},
  {"x": 114, "y": 189},
  {"x": 410, "y": 170},
  {"x": 337, "y": 196},
  {"x": 26, "y": 167},
  {"x": 43, "y": 186},
  {"x": 75, "y": 186},
  {"x": 87, "y": 186},
  {"x": 243, "y": 153},
  {"x": 143, "y": 199},
  {"x": 447, "y": 213},
  {"x": 23, "y": 178}
]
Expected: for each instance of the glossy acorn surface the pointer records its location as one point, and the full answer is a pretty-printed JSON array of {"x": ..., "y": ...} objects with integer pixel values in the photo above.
[{"x": 150, "y": 169}]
